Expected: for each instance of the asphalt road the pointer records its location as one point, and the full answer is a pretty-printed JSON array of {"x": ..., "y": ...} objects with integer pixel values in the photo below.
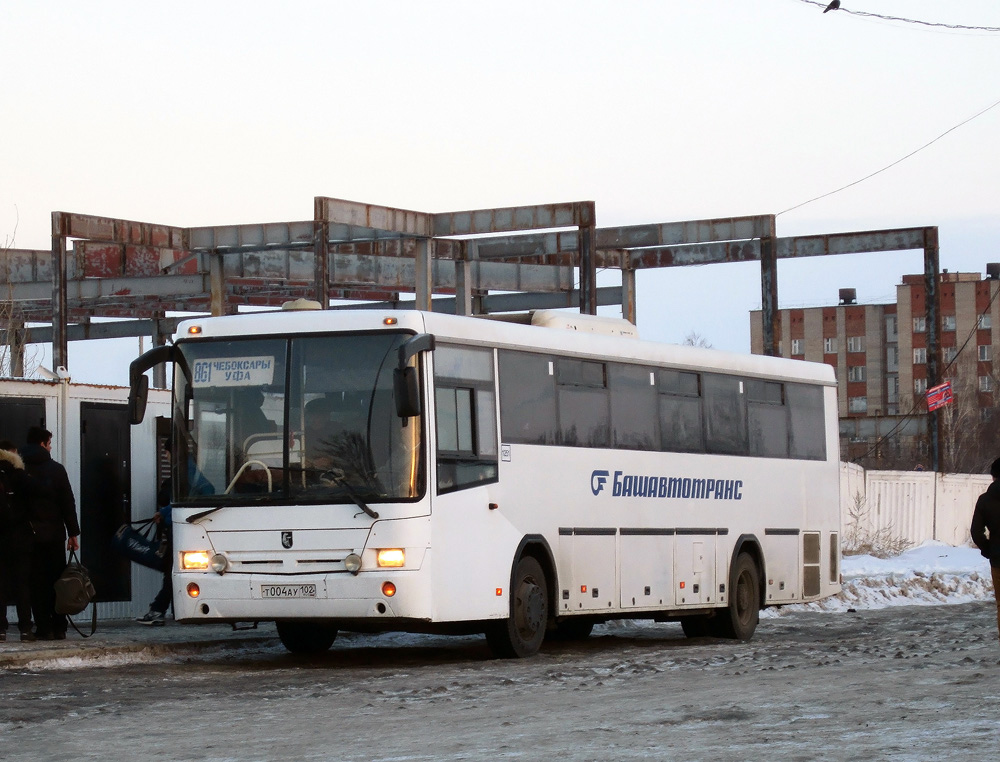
[{"x": 904, "y": 683}]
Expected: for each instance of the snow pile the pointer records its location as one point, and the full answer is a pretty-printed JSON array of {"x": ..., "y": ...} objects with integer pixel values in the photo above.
[{"x": 930, "y": 574}]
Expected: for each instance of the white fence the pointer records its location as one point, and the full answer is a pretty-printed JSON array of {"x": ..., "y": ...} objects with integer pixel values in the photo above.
[{"x": 914, "y": 506}]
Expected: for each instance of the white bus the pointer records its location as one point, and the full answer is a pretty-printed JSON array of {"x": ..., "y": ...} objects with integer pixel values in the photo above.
[{"x": 404, "y": 470}]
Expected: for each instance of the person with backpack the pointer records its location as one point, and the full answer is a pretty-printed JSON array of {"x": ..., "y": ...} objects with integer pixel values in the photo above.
[
  {"x": 52, "y": 513},
  {"x": 15, "y": 542}
]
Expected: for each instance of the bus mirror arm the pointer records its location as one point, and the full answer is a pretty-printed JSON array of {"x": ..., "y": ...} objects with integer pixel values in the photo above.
[
  {"x": 139, "y": 383},
  {"x": 405, "y": 388}
]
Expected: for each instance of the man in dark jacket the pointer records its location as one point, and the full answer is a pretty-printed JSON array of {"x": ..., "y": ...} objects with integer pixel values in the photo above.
[
  {"x": 15, "y": 541},
  {"x": 53, "y": 515},
  {"x": 986, "y": 529}
]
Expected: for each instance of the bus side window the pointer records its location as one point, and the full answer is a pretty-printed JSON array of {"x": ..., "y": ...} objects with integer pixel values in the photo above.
[
  {"x": 680, "y": 412},
  {"x": 725, "y": 414},
  {"x": 767, "y": 418},
  {"x": 807, "y": 435},
  {"x": 527, "y": 398},
  {"x": 465, "y": 412}
]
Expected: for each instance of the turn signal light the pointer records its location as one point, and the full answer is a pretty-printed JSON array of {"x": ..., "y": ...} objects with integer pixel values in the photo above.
[
  {"x": 193, "y": 590},
  {"x": 388, "y": 589}
]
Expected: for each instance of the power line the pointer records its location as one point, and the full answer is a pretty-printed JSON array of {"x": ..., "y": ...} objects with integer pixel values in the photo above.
[
  {"x": 893, "y": 164},
  {"x": 963, "y": 27}
]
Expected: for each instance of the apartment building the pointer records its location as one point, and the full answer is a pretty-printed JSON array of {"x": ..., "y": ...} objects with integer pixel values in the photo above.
[{"x": 880, "y": 354}]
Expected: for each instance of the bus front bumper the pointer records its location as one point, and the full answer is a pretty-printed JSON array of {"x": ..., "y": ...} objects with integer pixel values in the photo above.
[{"x": 246, "y": 597}]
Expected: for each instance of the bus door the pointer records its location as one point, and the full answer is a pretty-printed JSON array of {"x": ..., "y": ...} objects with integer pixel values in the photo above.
[
  {"x": 466, "y": 474},
  {"x": 694, "y": 567}
]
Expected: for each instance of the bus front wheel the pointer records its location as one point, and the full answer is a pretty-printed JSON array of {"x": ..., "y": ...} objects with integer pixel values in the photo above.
[
  {"x": 306, "y": 637},
  {"x": 521, "y": 633},
  {"x": 739, "y": 619}
]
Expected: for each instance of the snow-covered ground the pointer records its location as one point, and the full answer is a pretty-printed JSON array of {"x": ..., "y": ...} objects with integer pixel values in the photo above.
[{"x": 930, "y": 574}]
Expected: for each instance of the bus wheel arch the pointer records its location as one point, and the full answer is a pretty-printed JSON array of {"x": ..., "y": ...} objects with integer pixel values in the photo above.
[
  {"x": 531, "y": 594},
  {"x": 750, "y": 545},
  {"x": 738, "y": 620}
]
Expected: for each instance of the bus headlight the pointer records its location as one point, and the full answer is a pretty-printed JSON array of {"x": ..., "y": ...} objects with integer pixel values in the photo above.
[
  {"x": 353, "y": 563},
  {"x": 219, "y": 563},
  {"x": 391, "y": 557},
  {"x": 195, "y": 560}
]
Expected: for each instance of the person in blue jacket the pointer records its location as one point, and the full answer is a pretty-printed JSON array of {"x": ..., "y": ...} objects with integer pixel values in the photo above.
[{"x": 157, "y": 614}]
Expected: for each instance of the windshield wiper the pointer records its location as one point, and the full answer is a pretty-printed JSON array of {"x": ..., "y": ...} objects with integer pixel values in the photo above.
[
  {"x": 361, "y": 503},
  {"x": 355, "y": 497},
  {"x": 193, "y": 518}
]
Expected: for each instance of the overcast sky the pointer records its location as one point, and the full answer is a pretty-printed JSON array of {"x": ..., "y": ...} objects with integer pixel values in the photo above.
[{"x": 210, "y": 113}]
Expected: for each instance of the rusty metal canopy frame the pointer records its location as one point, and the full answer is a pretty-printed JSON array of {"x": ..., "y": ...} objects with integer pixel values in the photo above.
[{"x": 475, "y": 262}]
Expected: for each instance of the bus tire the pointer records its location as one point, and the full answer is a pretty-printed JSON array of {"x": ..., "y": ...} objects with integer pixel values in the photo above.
[
  {"x": 521, "y": 634},
  {"x": 696, "y": 626},
  {"x": 739, "y": 619},
  {"x": 571, "y": 629},
  {"x": 306, "y": 637}
]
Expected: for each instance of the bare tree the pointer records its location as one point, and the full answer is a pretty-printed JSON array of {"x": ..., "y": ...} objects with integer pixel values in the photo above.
[
  {"x": 14, "y": 359},
  {"x": 695, "y": 339}
]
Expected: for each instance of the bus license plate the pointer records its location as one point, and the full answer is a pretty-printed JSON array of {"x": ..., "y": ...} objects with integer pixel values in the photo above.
[{"x": 288, "y": 591}]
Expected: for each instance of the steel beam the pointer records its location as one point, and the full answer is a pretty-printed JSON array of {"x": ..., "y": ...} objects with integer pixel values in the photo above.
[
  {"x": 508, "y": 219},
  {"x": 933, "y": 317},
  {"x": 869, "y": 242},
  {"x": 685, "y": 232},
  {"x": 60, "y": 308},
  {"x": 866, "y": 242},
  {"x": 499, "y": 303},
  {"x": 321, "y": 256},
  {"x": 112, "y": 230},
  {"x": 116, "y": 329},
  {"x": 769, "y": 296},
  {"x": 378, "y": 218}
]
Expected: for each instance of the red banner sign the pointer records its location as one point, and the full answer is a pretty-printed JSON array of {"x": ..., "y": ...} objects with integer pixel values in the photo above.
[{"x": 939, "y": 396}]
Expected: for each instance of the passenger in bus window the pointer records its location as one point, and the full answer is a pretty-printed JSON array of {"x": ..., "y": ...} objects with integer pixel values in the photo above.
[
  {"x": 249, "y": 421},
  {"x": 336, "y": 447},
  {"x": 986, "y": 528}
]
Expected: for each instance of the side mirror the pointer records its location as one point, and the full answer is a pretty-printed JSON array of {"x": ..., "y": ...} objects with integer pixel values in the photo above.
[
  {"x": 406, "y": 391},
  {"x": 139, "y": 384},
  {"x": 137, "y": 396},
  {"x": 405, "y": 388}
]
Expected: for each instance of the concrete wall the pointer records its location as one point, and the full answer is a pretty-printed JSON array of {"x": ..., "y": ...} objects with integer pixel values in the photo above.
[{"x": 915, "y": 506}]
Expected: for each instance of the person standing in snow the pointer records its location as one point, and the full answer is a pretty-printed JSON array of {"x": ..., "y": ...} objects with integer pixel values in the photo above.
[{"x": 986, "y": 529}]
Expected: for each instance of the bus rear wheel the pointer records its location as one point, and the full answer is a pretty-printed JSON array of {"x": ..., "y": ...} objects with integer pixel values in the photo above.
[
  {"x": 306, "y": 637},
  {"x": 521, "y": 634},
  {"x": 739, "y": 619}
]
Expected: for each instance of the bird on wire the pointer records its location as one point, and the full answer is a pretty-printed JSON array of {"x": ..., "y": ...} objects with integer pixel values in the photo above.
[{"x": 834, "y": 5}]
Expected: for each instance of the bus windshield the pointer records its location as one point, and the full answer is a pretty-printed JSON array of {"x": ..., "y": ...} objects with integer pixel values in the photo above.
[{"x": 292, "y": 420}]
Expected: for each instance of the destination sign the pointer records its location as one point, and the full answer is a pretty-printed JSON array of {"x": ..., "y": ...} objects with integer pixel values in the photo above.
[{"x": 233, "y": 371}]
